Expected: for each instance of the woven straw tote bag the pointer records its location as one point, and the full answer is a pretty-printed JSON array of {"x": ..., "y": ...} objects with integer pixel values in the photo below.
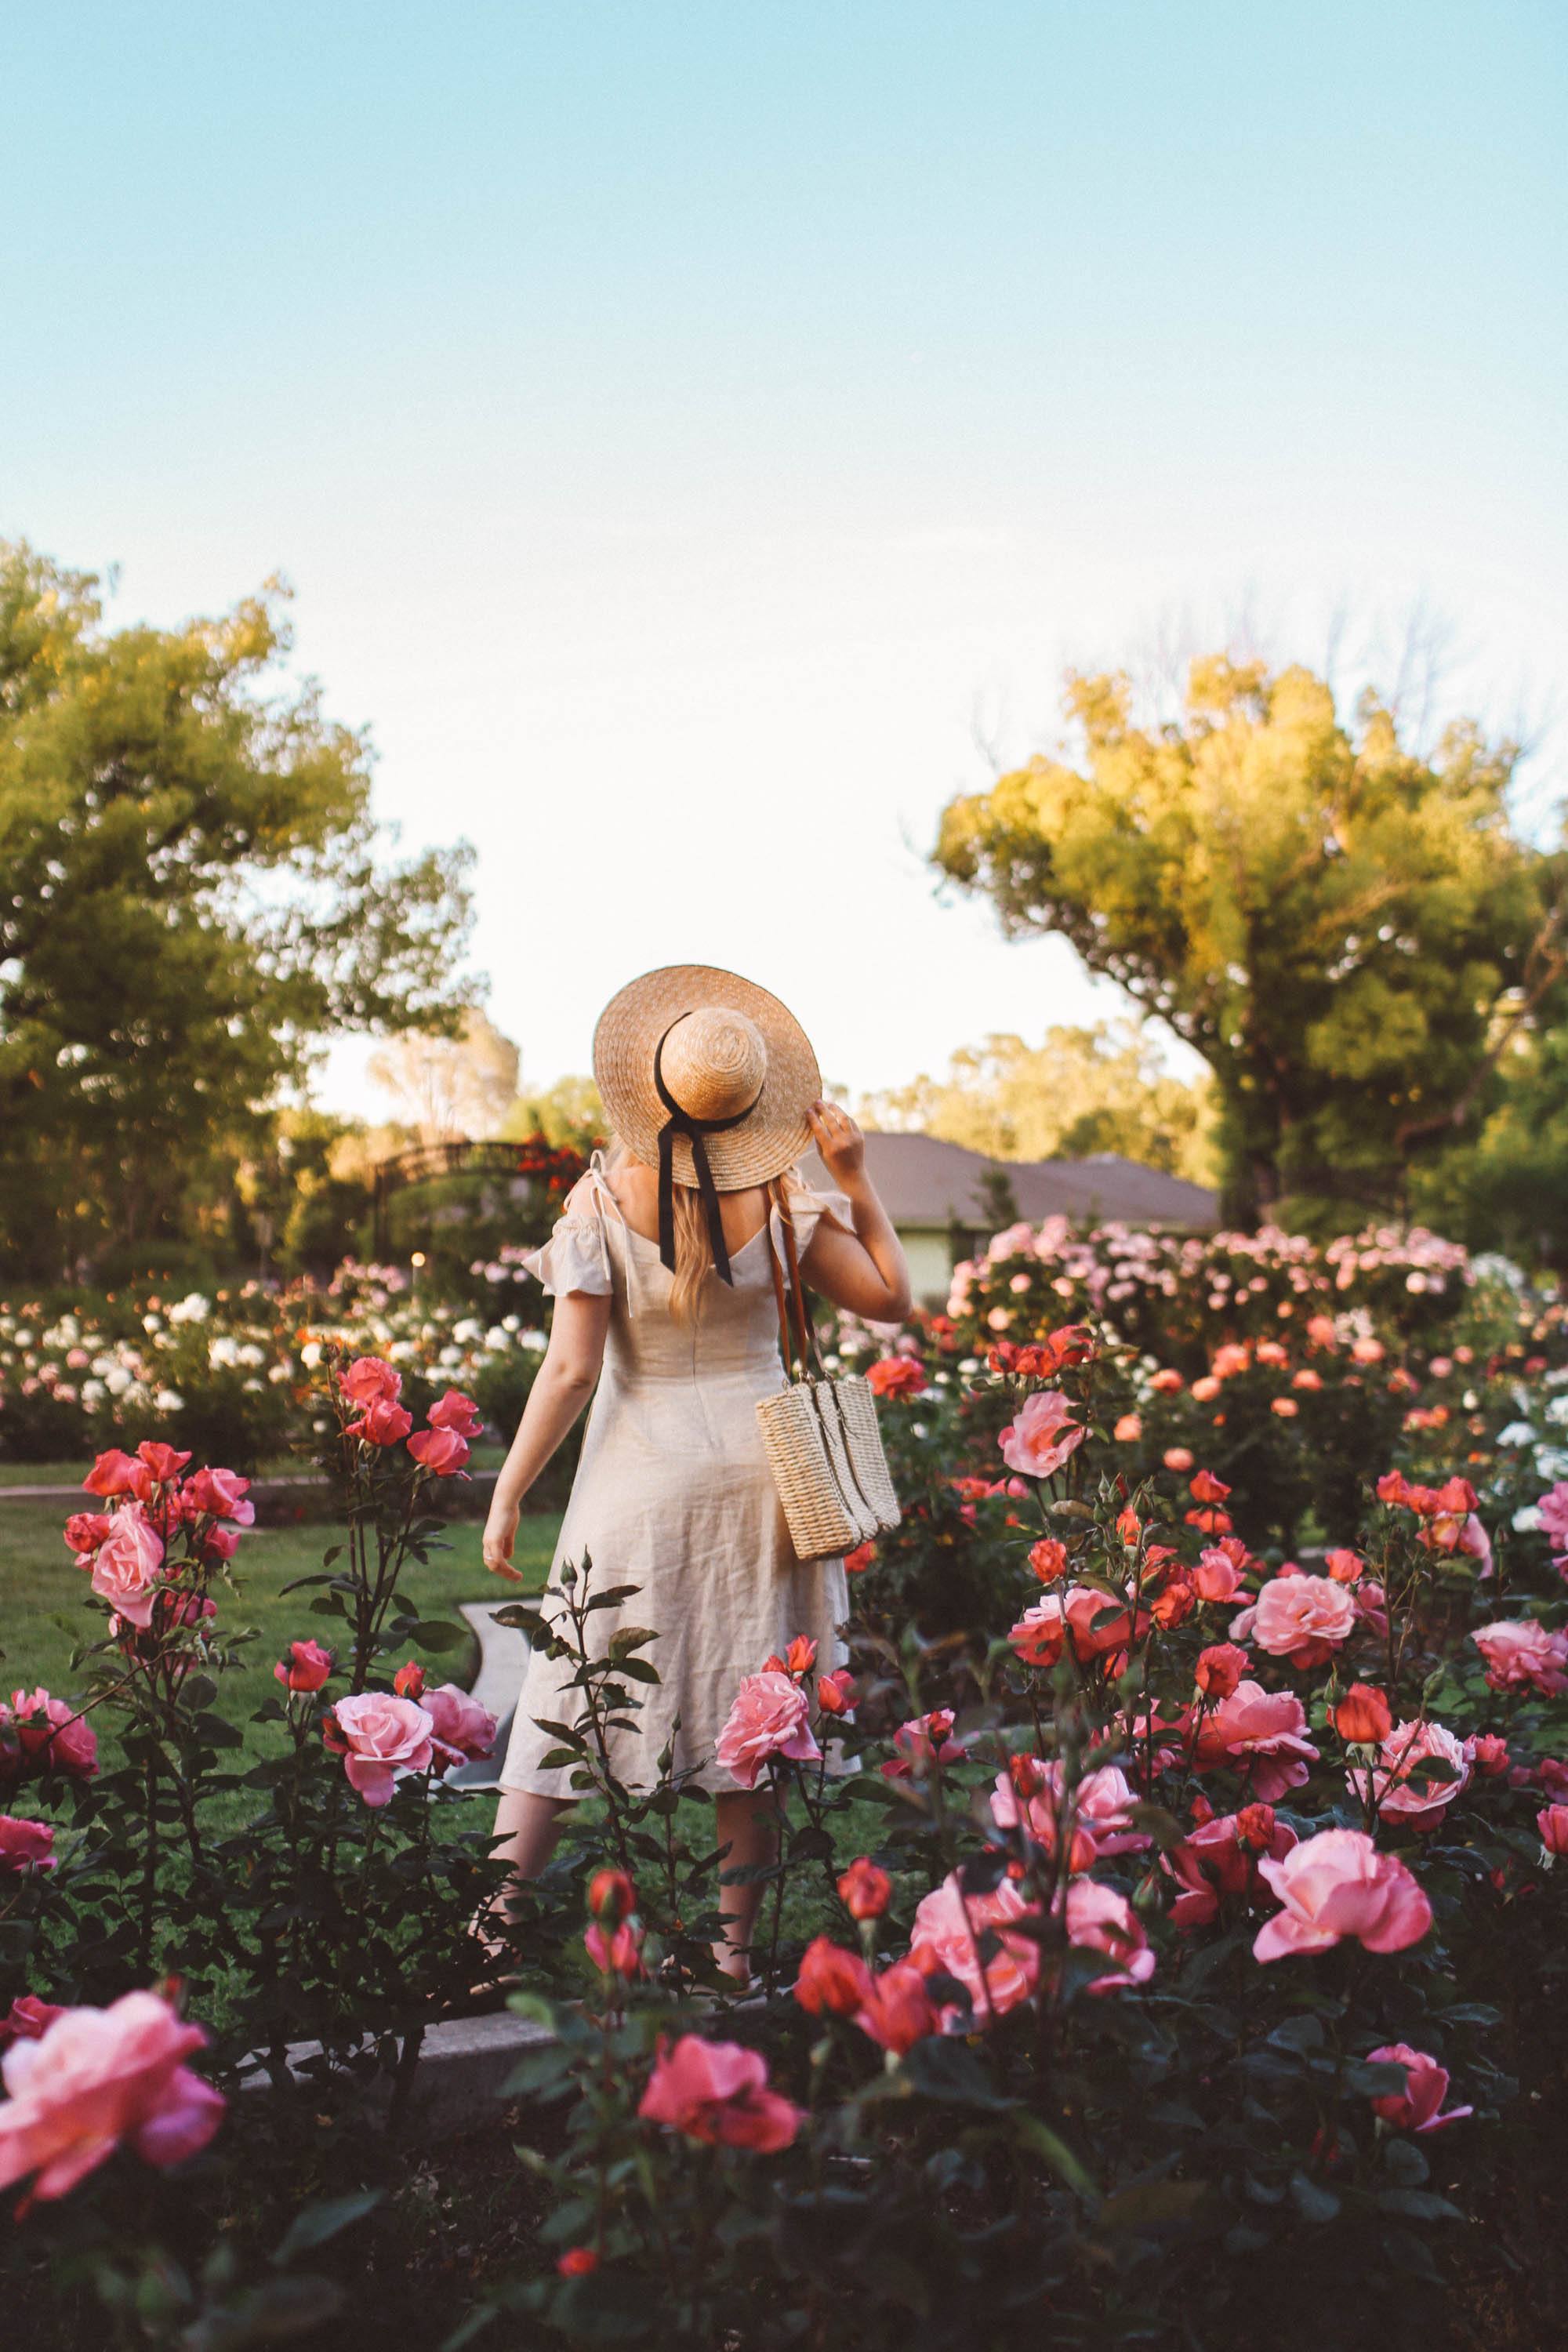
[{"x": 821, "y": 1438}]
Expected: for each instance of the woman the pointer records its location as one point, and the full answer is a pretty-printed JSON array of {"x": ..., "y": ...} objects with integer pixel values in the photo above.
[{"x": 666, "y": 1301}]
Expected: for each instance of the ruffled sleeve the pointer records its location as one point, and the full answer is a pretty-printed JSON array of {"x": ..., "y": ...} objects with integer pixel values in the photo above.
[
  {"x": 806, "y": 1210},
  {"x": 576, "y": 1256}
]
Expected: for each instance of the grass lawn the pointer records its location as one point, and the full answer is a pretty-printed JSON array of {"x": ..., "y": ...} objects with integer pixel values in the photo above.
[
  {"x": 42, "y": 1620},
  {"x": 486, "y": 1456}
]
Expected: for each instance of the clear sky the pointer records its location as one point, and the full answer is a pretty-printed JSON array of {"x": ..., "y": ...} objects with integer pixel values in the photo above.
[{"x": 680, "y": 418}]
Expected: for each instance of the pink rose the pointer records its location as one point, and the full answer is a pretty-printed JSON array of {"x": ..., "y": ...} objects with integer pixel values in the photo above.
[
  {"x": 306, "y": 1667},
  {"x": 897, "y": 1376},
  {"x": 1302, "y": 1619},
  {"x": 461, "y": 1729},
  {"x": 26, "y": 1845},
  {"x": 440, "y": 1450},
  {"x": 1408, "y": 1747},
  {"x": 1336, "y": 1884},
  {"x": 1553, "y": 1510},
  {"x": 369, "y": 1381},
  {"x": 1520, "y": 1655},
  {"x": 1427, "y": 2087},
  {"x": 948, "y": 1928},
  {"x": 1220, "y": 1858},
  {"x": 1101, "y": 1920},
  {"x": 718, "y": 2091},
  {"x": 115, "y": 1472},
  {"x": 380, "y": 1737},
  {"x": 96, "y": 2077},
  {"x": 1043, "y": 1435},
  {"x": 165, "y": 1462},
  {"x": 1262, "y": 1734},
  {"x": 924, "y": 1741},
  {"x": 895, "y": 2009},
  {"x": 125, "y": 1572},
  {"x": 382, "y": 1422},
  {"x": 771, "y": 1717},
  {"x": 221, "y": 1495},
  {"x": 1103, "y": 1804},
  {"x": 455, "y": 1411},
  {"x": 29, "y": 2020},
  {"x": 1552, "y": 1822},
  {"x": 1216, "y": 1577},
  {"x": 84, "y": 1531},
  {"x": 53, "y": 1735}
]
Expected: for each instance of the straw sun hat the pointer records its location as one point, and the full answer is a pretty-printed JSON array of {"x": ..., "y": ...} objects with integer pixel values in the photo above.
[{"x": 707, "y": 1077}]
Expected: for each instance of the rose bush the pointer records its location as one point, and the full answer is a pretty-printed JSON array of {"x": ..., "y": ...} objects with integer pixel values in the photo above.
[{"x": 1187, "y": 1887}]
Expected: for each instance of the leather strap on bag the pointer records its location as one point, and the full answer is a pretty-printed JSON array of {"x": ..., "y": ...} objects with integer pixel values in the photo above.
[{"x": 805, "y": 1345}]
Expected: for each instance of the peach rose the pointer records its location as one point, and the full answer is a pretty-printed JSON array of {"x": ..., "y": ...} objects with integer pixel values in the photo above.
[
  {"x": 1262, "y": 1734},
  {"x": 1521, "y": 1655},
  {"x": 897, "y": 1376},
  {"x": 462, "y": 1730},
  {"x": 1042, "y": 1437},
  {"x": 771, "y": 1717},
  {"x": 380, "y": 1737},
  {"x": 125, "y": 1570},
  {"x": 26, "y": 1845},
  {"x": 717, "y": 2092},
  {"x": 1338, "y": 1884},
  {"x": 1302, "y": 1619},
  {"x": 455, "y": 1410},
  {"x": 1427, "y": 2087},
  {"x": 382, "y": 1422},
  {"x": 440, "y": 1450},
  {"x": 1102, "y": 1808},
  {"x": 1420, "y": 1803},
  {"x": 96, "y": 2077},
  {"x": 1101, "y": 1920},
  {"x": 52, "y": 1736},
  {"x": 950, "y": 1927},
  {"x": 1220, "y": 1857},
  {"x": 221, "y": 1495},
  {"x": 369, "y": 1381}
]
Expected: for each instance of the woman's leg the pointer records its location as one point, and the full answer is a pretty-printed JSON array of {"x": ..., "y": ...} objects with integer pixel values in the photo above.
[
  {"x": 745, "y": 1824},
  {"x": 526, "y": 1828}
]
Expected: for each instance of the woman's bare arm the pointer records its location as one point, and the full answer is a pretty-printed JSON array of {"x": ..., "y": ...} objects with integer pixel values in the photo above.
[
  {"x": 865, "y": 1272},
  {"x": 562, "y": 1387}
]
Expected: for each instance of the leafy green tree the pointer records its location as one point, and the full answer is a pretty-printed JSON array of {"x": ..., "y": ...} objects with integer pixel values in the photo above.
[
  {"x": 569, "y": 1112},
  {"x": 190, "y": 898},
  {"x": 1082, "y": 1091},
  {"x": 1347, "y": 931}
]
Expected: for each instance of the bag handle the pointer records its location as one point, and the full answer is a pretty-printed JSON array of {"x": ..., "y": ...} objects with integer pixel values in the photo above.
[{"x": 806, "y": 1346}]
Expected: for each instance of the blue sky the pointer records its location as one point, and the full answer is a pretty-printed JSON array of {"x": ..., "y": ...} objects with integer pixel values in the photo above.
[{"x": 681, "y": 422}]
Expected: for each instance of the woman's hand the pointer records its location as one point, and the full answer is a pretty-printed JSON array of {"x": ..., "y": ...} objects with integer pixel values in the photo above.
[
  {"x": 501, "y": 1534},
  {"x": 840, "y": 1142}
]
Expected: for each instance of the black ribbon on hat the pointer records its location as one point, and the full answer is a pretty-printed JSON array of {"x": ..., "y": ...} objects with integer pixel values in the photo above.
[{"x": 681, "y": 1122}]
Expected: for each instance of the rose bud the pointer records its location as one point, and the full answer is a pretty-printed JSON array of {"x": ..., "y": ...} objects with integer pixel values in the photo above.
[
  {"x": 408, "y": 1682},
  {"x": 305, "y": 1668},
  {"x": 611, "y": 1896},
  {"x": 577, "y": 2261},
  {"x": 835, "y": 1692},
  {"x": 864, "y": 1890},
  {"x": 1552, "y": 1822},
  {"x": 1220, "y": 1669},
  {"x": 1048, "y": 1558},
  {"x": 1255, "y": 1827},
  {"x": 1491, "y": 1755},
  {"x": 1362, "y": 1717}
]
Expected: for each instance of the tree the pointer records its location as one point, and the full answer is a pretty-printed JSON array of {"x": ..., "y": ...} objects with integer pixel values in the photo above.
[
  {"x": 1083, "y": 1090},
  {"x": 451, "y": 1087},
  {"x": 1348, "y": 934},
  {"x": 190, "y": 899},
  {"x": 569, "y": 1112}
]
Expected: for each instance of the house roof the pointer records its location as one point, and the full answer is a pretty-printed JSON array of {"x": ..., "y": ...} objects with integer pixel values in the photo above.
[{"x": 924, "y": 1181}]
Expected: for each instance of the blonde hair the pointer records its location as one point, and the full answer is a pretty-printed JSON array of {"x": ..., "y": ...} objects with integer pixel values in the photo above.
[{"x": 693, "y": 1250}]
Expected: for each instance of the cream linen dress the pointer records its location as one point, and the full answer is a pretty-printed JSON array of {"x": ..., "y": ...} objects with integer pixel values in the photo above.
[{"x": 673, "y": 1492}]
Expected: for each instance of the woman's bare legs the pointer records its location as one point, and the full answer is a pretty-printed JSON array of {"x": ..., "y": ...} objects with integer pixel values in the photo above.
[
  {"x": 745, "y": 1824},
  {"x": 526, "y": 1829}
]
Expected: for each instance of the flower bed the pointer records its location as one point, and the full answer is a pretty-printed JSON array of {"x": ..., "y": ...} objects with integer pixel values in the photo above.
[{"x": 1193, "y": 1919}]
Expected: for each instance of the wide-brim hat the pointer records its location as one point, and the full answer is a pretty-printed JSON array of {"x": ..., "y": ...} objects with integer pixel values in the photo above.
[{"x": 746, "y": 1081}]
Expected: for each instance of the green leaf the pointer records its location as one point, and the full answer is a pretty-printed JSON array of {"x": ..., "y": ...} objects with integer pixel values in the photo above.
[
  {"x": 628, "y": 1638},
  {"x": 1046, "y": 2143},
  {"x": 319, "y": 2222},
  {"x": 1312, "y": 2200},
  {"x": 437, "y": 1633}
]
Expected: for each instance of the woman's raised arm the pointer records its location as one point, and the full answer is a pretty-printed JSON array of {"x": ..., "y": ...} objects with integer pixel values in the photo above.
[{"x": 865, "y": 1272}]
